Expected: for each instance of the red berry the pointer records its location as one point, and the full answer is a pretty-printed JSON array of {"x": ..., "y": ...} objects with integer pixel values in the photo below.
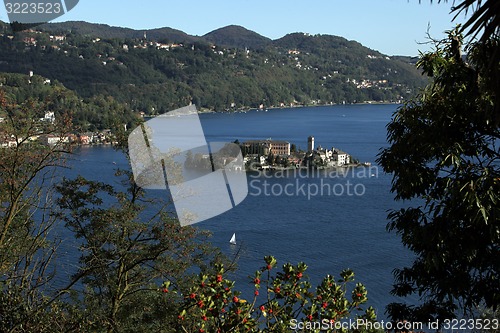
[
  {"x": 269, "y": 267},
  {"x": 324, "y": 305},
  {"x": 262, "y": 308},
  {"x": 204, "y": 318},
  {"x": 256, "y": 293},
  {"x": 256, "y": 281},
  {"x": 219, "y": 278},
  {"x": 299, "y": 275},
  {"x": 193, "y": 295},
  {"x": 235, "y": 299},
  {"x": 165, "y": 290}
]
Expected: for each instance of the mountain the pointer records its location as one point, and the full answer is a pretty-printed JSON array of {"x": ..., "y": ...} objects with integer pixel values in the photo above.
[
  {"x": 313, "y": 43},
  {"x": 235, "y": 36},
  {"x": 106, "y": 31},
  {"x": 232, "y": 36},
  {"x": 227, "y": 69}
]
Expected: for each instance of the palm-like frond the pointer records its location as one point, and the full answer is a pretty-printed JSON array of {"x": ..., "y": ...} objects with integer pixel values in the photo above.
[{"x": 485, "y": 19}]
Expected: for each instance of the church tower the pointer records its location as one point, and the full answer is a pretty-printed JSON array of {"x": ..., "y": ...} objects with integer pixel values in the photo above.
[{"x": 310, "y": 143}]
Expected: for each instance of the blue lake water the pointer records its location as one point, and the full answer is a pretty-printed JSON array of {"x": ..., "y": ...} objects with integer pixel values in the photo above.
[{"x": 329, "y": 231}]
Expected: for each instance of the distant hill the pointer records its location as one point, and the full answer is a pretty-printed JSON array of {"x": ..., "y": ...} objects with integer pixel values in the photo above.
[
  {"x": 106, "y": 31},
  {"x": 227, "y": 69},
  {"x": 237, "y": 37},
  {"x": 310, "y": 43}
]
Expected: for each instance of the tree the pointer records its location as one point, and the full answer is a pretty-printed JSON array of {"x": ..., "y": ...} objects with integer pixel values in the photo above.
[
  {"x": 128, "y": 246},
  {"x": 444, "y": 158},
  {"x": 280, "y": 302},
  {"x": 484, "y": 22},
  {"x": 27, "y": 249}
]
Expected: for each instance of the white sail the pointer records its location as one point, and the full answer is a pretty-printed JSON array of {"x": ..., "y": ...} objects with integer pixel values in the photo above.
[{"x": 233, "y": 239}]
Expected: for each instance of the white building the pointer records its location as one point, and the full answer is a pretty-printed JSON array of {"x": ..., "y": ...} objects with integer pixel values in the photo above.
[
  {"x": 341, "y": 157},
  {"x": 49, "y": 117}
]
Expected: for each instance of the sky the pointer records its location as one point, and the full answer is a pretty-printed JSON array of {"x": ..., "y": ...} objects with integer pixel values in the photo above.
[{"x": 393, "y": 27}]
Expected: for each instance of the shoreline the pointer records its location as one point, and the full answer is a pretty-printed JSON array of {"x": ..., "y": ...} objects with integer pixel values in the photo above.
[{"x": 247, "y": 109}]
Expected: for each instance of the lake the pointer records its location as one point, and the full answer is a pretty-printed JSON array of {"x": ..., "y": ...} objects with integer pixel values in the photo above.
[{"x": 318, "y": 221}]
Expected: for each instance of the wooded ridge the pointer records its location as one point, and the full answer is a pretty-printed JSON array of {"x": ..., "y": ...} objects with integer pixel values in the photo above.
[{"x": 154, "y": 71}]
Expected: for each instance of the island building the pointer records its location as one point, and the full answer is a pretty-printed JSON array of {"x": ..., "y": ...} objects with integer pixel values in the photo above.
[
  {"x": 260, "y": 150},
  {"x": 310, "y": 144},
  {"x": 266, "y": 147},
  {"x": 328, "y": 157}
]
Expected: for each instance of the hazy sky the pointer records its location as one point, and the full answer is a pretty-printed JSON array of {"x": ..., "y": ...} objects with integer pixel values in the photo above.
[{"x": 393, "y": 27}]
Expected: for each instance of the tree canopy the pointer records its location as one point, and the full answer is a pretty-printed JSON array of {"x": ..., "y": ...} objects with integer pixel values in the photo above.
[{"x": 445, "y": 159}]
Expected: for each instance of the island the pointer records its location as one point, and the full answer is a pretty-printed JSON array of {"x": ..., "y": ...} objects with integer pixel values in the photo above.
[{"x": 268, "y": 154}]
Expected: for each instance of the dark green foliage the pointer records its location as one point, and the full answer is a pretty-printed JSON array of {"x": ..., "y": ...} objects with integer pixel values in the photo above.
[{"x": 444, "y": 151}]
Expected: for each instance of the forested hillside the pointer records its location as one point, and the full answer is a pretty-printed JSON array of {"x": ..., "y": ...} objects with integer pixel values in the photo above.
[
  {"x": 157, "y": 70},
  {"x": 89, "y": 114}
]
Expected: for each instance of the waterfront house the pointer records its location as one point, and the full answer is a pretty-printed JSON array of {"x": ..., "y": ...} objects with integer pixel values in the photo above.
[
  {"x": 342, "y": 158},
  {"x": 84, "y": 139}
]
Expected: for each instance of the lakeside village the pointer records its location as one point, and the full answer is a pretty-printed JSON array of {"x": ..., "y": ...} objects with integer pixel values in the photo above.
[
  {"x": 277, "y": 155},
  {"x": 88, "y": 138}
]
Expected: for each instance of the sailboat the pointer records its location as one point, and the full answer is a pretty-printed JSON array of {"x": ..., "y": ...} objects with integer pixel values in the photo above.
[{"x": 233, "y": 239}]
